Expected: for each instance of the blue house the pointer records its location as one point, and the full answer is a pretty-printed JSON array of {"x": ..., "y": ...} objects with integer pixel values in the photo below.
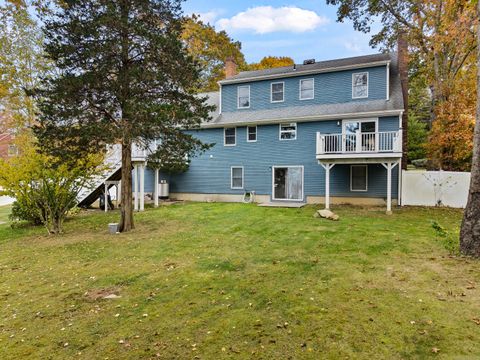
[{"x": 320, "y": 132}]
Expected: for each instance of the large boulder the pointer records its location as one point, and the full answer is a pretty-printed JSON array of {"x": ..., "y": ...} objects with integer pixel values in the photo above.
[{"x": 327, "y": 214}]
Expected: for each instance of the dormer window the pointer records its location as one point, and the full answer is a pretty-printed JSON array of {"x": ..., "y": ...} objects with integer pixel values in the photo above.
[
  {"x": 360, "y": 85},
  {"x": 277, "y": 92},
  {"x": 243, "y": 97},
  {"x": 306, "y": 89}
]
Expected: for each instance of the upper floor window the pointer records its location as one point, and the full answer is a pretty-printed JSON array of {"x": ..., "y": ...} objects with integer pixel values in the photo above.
[
  {"x": 243, "y": 97},
  {"x": 288, "y": 131},
  {"x": 360, "y": 85},
  {"x": 306, "y": 89},
  {"x": 277, "y": 92},
  {"x": 230, "y": 136},
  {"x": 251, "y": 133}
]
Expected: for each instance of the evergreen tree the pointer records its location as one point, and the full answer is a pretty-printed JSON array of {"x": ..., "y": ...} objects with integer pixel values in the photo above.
[{"x": 124, "y": 76}]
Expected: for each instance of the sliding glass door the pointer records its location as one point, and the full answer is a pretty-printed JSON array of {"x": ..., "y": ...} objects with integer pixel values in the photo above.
[{"x": 288, "y": 183}]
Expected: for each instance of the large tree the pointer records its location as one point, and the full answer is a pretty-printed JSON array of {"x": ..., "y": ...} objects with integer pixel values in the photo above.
[
  {"x": 124, "y": 76},
  {"x": 269, "y": 62},
  {"x": 470, "y": 231},
  {"x": 22, "y": 64},
  {"x": 210, "y": 48}
]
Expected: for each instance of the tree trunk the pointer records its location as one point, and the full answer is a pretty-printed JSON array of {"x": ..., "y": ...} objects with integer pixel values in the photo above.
[
  {"x": 470, "y": 231},
  {"x": 126, "y": 222}
]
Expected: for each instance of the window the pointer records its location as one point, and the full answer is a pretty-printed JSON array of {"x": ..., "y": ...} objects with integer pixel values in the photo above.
[
  {"x": 360, "y": 85},
  {"x": 243, "y": 96},
  {"x": 277, "y": 92},
  {"x": 12, "y": 150},
  {"x": 236, "y": 173},
  {"x": 251, "y": 133},
  {"x": 288, "y": 131},
  {"x": 306, "y": 89},
  {"x": 358, "y": 178},
  {"x": 229, "y": 136}
]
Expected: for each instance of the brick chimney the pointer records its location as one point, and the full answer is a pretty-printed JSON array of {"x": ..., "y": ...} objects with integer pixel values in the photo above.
[
  {"x": 230, "y": 67},
  {"x": 402, "y": 49}
]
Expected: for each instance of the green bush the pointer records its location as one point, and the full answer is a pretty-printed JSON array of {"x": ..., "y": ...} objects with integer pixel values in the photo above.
[
  {"x": 448, "y": 240},
  {"x": 21, "y": 212}
]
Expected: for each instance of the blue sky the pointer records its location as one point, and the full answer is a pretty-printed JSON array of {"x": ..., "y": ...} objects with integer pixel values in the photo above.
[{"x": 301, "y": 29}]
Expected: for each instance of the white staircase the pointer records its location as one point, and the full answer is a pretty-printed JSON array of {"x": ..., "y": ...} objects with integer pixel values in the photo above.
[{"x": 113, "y": 163}]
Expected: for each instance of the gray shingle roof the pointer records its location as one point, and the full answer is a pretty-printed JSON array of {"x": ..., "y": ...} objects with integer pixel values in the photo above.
[
  {"x": 320, "y": 111},
  {"x": 328, "y": 65}
]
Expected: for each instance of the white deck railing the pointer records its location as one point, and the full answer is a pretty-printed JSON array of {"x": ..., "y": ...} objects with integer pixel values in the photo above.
[{"x": 372, "y": 142}]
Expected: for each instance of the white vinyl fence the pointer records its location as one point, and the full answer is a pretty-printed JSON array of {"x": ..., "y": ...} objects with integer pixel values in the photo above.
[{"x": 435, "y": 188}]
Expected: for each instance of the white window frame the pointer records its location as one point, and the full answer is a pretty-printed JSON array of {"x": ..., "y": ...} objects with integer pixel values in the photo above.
[
  {"x": 238, "y": 97},
  {"x": 273, "y": 181},
  {"x": 256, "y": 133},
  {"x": 345, "y": 121},
  {"x": 353, "y": 84},
  {"x": 283, "y": 92},
  {"x": 300, "y": 89},
  {"x": 280, "y": 131},
  {"x": 231, "y": 178},
  {"x": 225, "y": 137},
  {"x": 366, "y": 178}
]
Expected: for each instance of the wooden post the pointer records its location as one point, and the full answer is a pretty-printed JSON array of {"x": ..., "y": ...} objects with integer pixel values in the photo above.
[
  {"x": 155, "y": 188},
  {"x": 389, "y": 166},
  {"x": 135, "y": 186},
  {"x": 142, "y": 187},
  {"x": 106, "y": 197},
  {"x": 327, "y": 168}
]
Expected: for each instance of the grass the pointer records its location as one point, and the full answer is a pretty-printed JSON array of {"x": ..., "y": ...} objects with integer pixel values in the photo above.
[
  {"x": 4, "y": 212},
  {"x": 235, "y": 281}
]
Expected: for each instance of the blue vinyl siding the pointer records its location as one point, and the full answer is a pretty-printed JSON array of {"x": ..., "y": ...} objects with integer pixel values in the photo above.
[
  {"x": 329, "y": 88},
  {"x": 210, "y": 172}
]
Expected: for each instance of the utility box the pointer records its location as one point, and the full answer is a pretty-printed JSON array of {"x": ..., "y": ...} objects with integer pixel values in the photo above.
[{"x": 163, "y": 189}]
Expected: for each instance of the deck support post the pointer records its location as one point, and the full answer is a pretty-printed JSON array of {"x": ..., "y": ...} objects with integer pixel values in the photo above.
[
  {"x": 327, "y": 168},
  {"x": 106, "y": 197},
  {"x": 389, "y": 166},
  {"x": 135, "y": 187},
  {"x": 155, "y": 188},
  {"x": 142, "y": 186}
]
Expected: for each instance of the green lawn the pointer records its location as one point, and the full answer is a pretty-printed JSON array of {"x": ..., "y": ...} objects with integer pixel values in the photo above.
[
  {"x": 4, "y": 212},
  {"x": 221, "y": 281}
]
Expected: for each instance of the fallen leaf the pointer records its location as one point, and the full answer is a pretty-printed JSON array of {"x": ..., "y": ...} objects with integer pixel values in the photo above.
[{"x": 435, "y": 350}]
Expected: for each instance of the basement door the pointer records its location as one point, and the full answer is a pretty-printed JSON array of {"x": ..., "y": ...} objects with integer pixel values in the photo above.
[{"x": 287, "y": 183}]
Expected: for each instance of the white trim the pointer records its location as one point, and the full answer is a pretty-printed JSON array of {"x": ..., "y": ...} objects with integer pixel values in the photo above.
[
  {"x": 286, "y": 167},
  {"x": 283, "y": 92},
  {"x": 307, "y": 72},
  {"x": 307, "y": 118},
  {"x": 225, "y": 138},
  {"x": 220, "y": 100},
  {"x": 238, "y": 97},
  {"x": 231, "y": 178},
  {"x": 256, "y": 133},
  {"x": 300, "y": 89},
  {"x": 388, "y": 82},
  {"x": 366, "y": 177},
  {"x": 361, "y": 120},
  {"x": 353, "y": 82},
  {"x": 280, "y": 131}
]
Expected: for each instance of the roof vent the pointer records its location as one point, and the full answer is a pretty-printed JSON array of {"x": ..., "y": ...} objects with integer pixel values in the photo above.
[{"x": 309, "y": 62}]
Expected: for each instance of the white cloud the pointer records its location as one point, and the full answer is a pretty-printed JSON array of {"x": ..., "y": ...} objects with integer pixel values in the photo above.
[
  {"x": 209, "y": 16},
  {"x": 267, "y": 19}
]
